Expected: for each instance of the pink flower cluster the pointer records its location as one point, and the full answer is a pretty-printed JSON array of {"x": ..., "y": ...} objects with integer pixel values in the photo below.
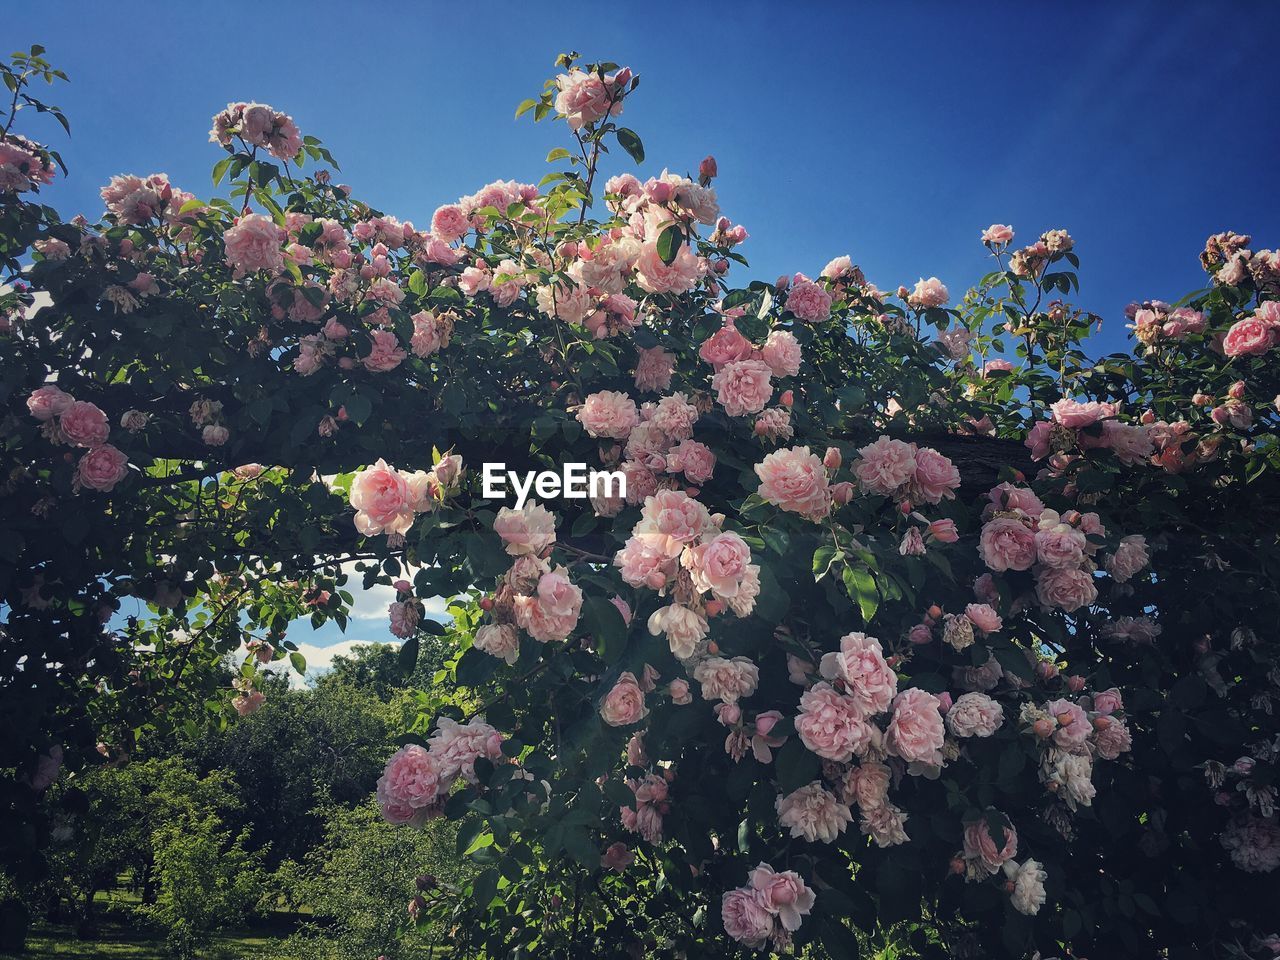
[
  {"x": 257, "y": 125},
  {"x": 23, "y": 165},
  {"x": 1071, "y": 736},
  {"x": 677, "y": 543},
  {"x": 906, "y": 472},
  {"x": 768, "y": 910},
  {"x": 644, "y": 816},
  {"x": 1020, "y": 533},
  {"x": 584, "y": 97},
  {"x": 743, "y": 374},
  {"x": 64, "y": 419},
  {"x": 386, "y": 499},
  {"x": 417, "y": 779}
]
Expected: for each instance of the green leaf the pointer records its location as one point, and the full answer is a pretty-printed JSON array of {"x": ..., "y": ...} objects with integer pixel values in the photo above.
[
  {"x": 559, "y": 153},
  {"x": 408, "y": 655},
  {"x": 629, "y": 142},
  {"x": 299, "y": 662},
  {"x": 604, "y": 623},
  {"x": 823, "y": 557},
  {"x": 485, "y": 887},
  {"x": 861, "y": 587},
  {"x": 669, "y": 241},
  {"x": 795, "y": 765},
  {"x": 525, "y": 107}
]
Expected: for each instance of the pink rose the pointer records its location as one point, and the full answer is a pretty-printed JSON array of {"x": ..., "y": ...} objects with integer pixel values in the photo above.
[
  {"x": 449, "y": 223},
  {"x": 785, "y": 894},
  {"x": 886, "y": 465},
  {"x": 617, "y": 856},
  {"x": 813, "y": 812},
  {"x": 974, "y": 715},
  {"x": 84, "y": 424},
  {"x": 498, "y": 640},
  {"x": 695, "y": 460},
  {"x": 808, "y": 302},
  {"x": 254, "y": 244},
  {"x": 868, "y": 678},
  {"x": 382, "y": 500},
  {"x": 782, "y": 353},
  {"x": 1107, "y": 702},
  {"x": 944, "y": 531},
  {"x": 719, "y": 565},
  {"x": 680, "y": 695},
  {"x": 743, "y": 387},
  {"x": 725, "y": 679},
  {"x": 409, "y": 784},
  {"x": 1130, "y": 558},
  {"x": 916, "y": 732},
  {"x": 1251, "y": 336},
  {"x": 654, "y": 367},
  {"x": 935, "y": 477},
  {"x": 1038, "y": 439},
  {"x": 928, "y": 294},
  {"x": 746, "y": 916},
  {"x": 101, "y": 467},
  {"x": 609, "y": 414},
  {"x": 529, "y": 530},
  {"x": 1073, "y": 723},
  {"x": 385, "y": 354},
  {"x": 624, "y": 704},
  {"x": 980, "y": 847},
  {"x": 654, "y": 275},
  {"x": 1075, "y": 415},
  {"x": 48, "y": 402},
  {"x": 725, "y": 346},
  {"x": 1006, "y": 543},
  {"x": 795, "y": 480},
  {"x": 998, "y": 234},
  {"x": 984, "y": 617},
  {"x": 584, "y": 98},
  {"x": 1067, "y": 589},
  {"x": 832, "y": 725}
]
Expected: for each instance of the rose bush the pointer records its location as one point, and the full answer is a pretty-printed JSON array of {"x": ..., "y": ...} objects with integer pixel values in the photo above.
[{"x": 911, "y": 611}]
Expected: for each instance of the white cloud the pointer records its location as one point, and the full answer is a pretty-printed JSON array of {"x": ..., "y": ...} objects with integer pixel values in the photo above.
[{"x": 320, "y": 659}]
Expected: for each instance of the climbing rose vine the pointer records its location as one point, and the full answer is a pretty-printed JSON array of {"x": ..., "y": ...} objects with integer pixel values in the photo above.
[{"x": 913, "y": 620}]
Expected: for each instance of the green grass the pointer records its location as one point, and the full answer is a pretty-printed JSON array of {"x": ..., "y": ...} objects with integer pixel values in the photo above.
[{"x": 116, "y": 941}]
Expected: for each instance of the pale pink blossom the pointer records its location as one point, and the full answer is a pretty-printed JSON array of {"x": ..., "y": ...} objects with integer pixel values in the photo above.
[
  {"x": 983, "y": 617},
  {"x": 254, "y": 243},
  {"x": 1130, "y": 558},
  {"x": 936, "y": 477},
  {"x": 916, "y": 732},
  {"x": 813, "y": 812},
  {"x": 84, "y": 424},
  {"x": 785, "y": 894},
  {"x": 795, "y": 480},
  {"x": 727, "y": 679},
  {"x": 102, "y": 468},
  {"x": 381, "y": 497},
  {"x": 624, "y": 704},
  {"x": 981, "y": 849},
  {"x": 869, "y": 680},
  {"x": 831, "y": 724},
  {"x": 807, "y": 301},
  {"x": 1007, "y": 543},
  {"x": 885, "y": 466},
  {"x": 974, "y": 715},
  {"x": 743, "y": 387},
  {"x": 608, "y": 413},
  {"x": 746, "y": 916},
  {"x": 1066, "y": 589},
  {"x": 781, "y": 351},
  {"x": 529, "y": 530},
  {"x": 928, "y": 294},
  {"x": 48, "y": 402}
]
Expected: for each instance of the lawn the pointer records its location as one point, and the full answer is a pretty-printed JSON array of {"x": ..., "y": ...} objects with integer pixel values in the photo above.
[{"x": 120, "y": 936}]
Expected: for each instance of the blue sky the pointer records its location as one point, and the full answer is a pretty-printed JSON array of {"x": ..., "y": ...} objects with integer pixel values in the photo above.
[{"x": 893, "y": 133}]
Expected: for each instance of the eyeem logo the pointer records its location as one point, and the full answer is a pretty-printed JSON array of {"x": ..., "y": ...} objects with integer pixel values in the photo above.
[{"x": 573, "y": 482}]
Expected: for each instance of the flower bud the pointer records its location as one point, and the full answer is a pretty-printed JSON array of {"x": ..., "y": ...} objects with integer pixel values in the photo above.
[
  {"x": 832, "y": 458},
  {"x": 788, "y": 398},
  {"x": 1075, "y": 683},
  {"x": 1236, "y": 390},
  {"x": 707, "y": 169}
]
